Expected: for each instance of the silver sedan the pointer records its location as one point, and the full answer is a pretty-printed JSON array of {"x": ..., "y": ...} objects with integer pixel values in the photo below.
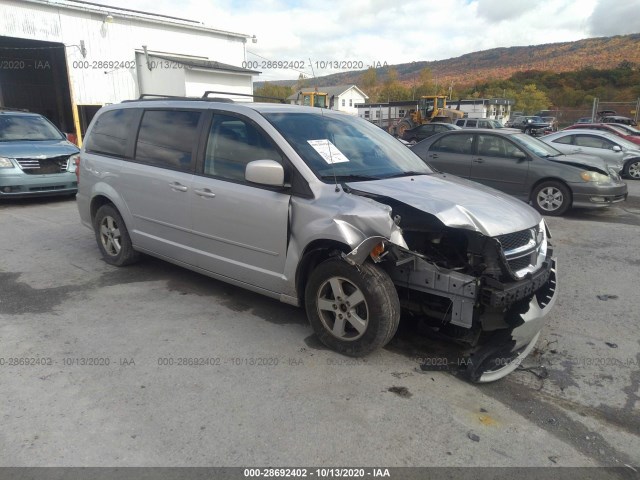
[{"x": 616, "y": 151}]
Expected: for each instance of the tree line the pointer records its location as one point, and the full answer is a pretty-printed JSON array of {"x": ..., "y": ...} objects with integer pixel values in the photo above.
[{"x": 532, "y": 90}]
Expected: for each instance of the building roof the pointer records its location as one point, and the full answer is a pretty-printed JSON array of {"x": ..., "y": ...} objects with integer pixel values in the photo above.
[
  {"x": 331, "y": 91},
  {"x": 139, "y": 15},
  {"x": 204, "y": 63}
]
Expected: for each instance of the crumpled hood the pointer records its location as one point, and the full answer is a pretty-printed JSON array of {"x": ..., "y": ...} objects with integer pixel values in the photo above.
[
  {"x": 456, "y": 202},
  {"x": 582, "y": 159},
  {"x": 39, "y": 149}
]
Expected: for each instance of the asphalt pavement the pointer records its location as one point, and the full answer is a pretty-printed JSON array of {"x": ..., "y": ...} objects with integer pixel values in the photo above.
[{"x": 154, "y": 365}]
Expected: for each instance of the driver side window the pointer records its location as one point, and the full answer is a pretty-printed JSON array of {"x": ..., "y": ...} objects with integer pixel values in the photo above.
[
  {"x": 494, "y": 146},
  {"x": 232, "y": 144}
]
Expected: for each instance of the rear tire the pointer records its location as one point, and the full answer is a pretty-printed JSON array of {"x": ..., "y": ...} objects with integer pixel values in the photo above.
[
  {"x": 113, "y": 237},
  {"x": 353, "y": 310},
  {"x": 632, "y": 169},
  {"x": 551, "y": 198}
]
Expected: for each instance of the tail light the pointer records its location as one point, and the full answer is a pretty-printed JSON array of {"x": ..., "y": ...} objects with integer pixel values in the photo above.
[{"x": 72, "y": 137}]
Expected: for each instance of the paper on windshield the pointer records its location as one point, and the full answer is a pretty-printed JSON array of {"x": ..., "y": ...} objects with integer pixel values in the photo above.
[{"x": 328, "y": 151}]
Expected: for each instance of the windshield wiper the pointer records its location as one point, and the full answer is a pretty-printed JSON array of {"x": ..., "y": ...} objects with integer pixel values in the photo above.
[
  {"x": 407, "y": 174},
  {"x": 353, "y": 177}
]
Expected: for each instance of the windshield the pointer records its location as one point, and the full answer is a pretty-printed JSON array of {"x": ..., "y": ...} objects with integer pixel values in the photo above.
[
  {"x": 629, "y": 130},
  {"x": 534, "y": 145},
  {"x": 345, "y": 146},
  {"x": 625, "y": 144},
  {"x": 616, "y": 128},
  {"x": 26, "y": 127}
]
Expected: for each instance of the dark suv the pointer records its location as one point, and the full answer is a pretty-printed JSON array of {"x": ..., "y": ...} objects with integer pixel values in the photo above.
[{"x": 531, "y": 125}]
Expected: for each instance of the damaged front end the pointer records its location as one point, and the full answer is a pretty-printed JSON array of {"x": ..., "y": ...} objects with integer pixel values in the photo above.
[{"x": 489, "y": 294}]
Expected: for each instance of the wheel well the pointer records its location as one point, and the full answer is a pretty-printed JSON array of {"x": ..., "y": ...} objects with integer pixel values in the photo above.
[
  {"x": 98, "y": 202},
  {"x": 550, "y": 179},
  {"x": 315, "y": 253}
]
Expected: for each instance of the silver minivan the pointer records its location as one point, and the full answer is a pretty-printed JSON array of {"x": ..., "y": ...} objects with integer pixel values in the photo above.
[{"x": 322, "y": 210}]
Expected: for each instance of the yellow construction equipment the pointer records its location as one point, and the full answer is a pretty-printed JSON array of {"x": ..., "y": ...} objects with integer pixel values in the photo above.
[
  {"x": 313, "y": 98},
  {"x": 431, "y": 108}
]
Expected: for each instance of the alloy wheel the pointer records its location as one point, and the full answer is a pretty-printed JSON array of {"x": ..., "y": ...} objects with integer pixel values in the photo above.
[
  {"x": 550, "y": 199},
  {"x": 342, "y": 309},
  {"x": 110, "y": 236}
]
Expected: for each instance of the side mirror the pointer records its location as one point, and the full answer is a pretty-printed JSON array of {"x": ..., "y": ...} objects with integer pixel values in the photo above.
[
  {"x": 519, "y": 155},
  {"x": 265, "y": 172},
  {"x": 616, "y": 148}
]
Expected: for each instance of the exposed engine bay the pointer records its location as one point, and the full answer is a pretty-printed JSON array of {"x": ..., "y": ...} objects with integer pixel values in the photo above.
[{"x": 469, "y": 287}]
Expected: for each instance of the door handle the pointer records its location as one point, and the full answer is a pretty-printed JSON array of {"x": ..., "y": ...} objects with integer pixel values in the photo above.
[
  {"x": 175, "y": 186},
  {"x": 433, "y": 155},
  {"x": 478, "y": 160},
  {"x": 206, "y": 193}
]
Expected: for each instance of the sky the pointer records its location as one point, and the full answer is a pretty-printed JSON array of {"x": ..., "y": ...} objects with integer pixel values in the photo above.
[{"x": 334, "y": 32}]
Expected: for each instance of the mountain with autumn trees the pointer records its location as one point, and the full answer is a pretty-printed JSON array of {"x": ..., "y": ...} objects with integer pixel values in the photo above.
[
  {"x": 569, "y": 74},
  {"x": 502, "y": 63}
]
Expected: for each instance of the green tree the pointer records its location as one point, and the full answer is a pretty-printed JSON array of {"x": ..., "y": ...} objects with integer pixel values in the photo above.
[
  {"x": 368, "y": 82},
  {"x": 274, "y": 91},
  {"x": 530, "y": 99},
  {"x": 425, "y": 85},
  {"x": 369, "y": 79},
  {"x": 303, "y": 82},
  {"x": 392, "y": 90}
]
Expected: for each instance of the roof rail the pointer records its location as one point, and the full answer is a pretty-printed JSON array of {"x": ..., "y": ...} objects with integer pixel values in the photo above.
[
  {"x": 14, "y": 109},
  {"x": 150, "y": 97},
  {"x": 206, "y": 95}
]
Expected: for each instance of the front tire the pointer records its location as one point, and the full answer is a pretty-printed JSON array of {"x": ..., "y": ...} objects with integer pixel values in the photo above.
[
  {"x": 113, "y": 237},
  {"x": 551, "y": 198},
  {"x": 401, "y": 127},
  {"x": 353, "y": 310},
  {"x": 632, "y": 169}
]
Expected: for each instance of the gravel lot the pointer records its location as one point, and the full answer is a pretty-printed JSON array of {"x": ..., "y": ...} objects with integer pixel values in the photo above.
[{"x": 267, "y": 393}]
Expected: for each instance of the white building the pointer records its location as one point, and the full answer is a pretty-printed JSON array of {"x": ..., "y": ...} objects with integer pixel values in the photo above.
[
  {"x": 68, "y": 58},
  {"x": 344, "y": 98}
]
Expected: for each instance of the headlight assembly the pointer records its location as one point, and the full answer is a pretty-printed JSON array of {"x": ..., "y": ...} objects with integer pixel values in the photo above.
[
  {"x": 6, "y": 163},
  {"x": 596, "y": 177}
]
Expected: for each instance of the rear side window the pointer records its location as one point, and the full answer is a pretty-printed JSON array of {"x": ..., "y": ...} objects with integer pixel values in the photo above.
[
  {"x": 111, "y": 132},
  {"x": 460, "y": 143},
  {"x": 471, "y": 123},
  {"x": 593, "y": 142},
  {"x": 167, "y": 138}
]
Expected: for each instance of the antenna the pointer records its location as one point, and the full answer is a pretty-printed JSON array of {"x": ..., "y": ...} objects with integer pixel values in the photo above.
[{"x": 333, "y": 167}]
